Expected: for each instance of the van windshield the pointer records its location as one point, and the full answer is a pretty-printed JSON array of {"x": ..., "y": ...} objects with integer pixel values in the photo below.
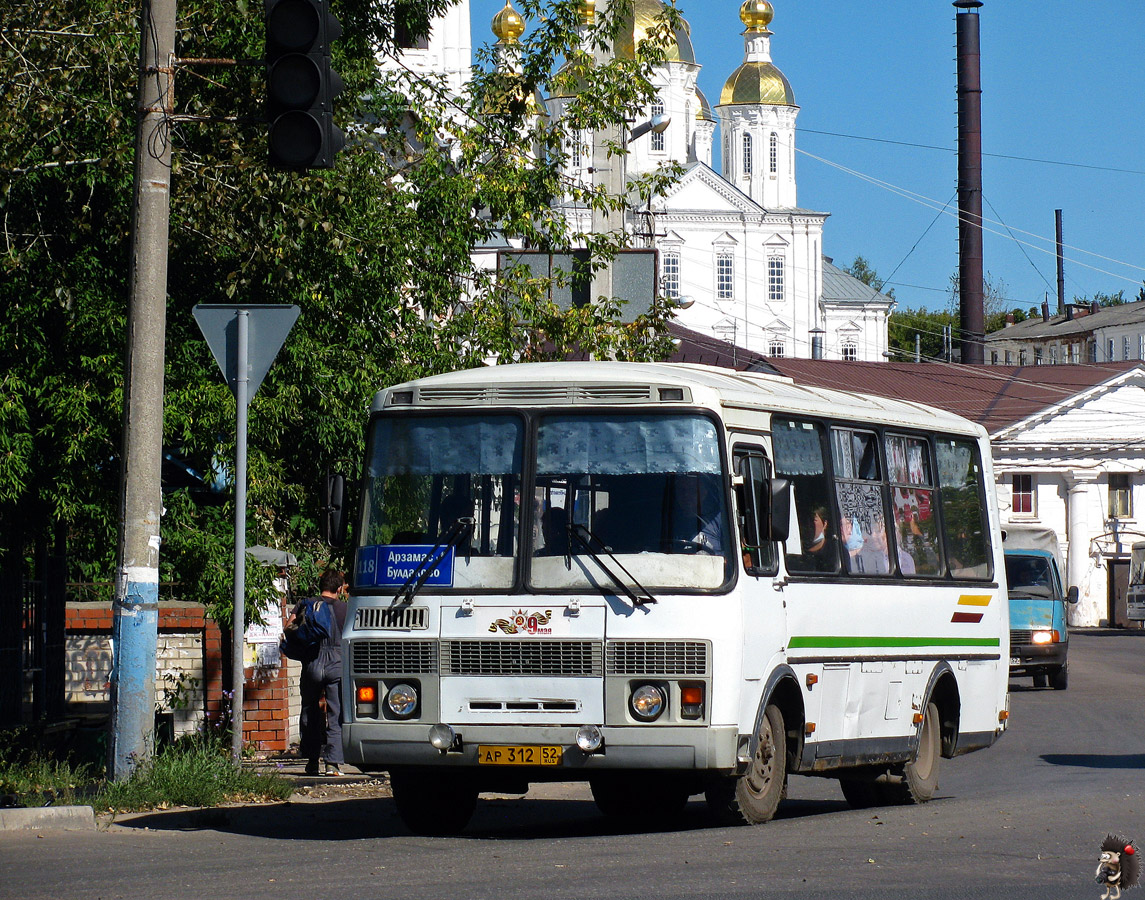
[{"x": 1025, "y": 572}]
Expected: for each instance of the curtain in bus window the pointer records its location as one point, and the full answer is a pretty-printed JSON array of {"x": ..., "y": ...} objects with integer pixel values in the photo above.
[
  {"x": 813, "y": 540},
  {"x": 859, "y": 492},
  {"x": 967, "y": 537},
  {"x": 916, "y": 526},
  {"x": 797, "y": 448},
  {"x": 447, "y": 445},
  {"x": 627, "y": 445}
]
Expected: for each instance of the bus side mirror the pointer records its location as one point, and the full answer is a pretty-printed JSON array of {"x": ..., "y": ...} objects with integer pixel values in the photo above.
[
  {"x": 779, "y": 524},
  {"x": 332, "y": 519},
  {"x": 1071, "y": 594}
]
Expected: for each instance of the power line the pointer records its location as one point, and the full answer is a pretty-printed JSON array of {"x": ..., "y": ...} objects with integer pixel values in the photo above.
[
  {"x": 933, "y": 204},
  {"x": 1048, "y": 162}
]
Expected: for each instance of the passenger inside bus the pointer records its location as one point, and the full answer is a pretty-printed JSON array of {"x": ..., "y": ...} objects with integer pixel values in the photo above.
[
  {"x": 554, "y": 532},
  {"x": 820, "y": 552}
]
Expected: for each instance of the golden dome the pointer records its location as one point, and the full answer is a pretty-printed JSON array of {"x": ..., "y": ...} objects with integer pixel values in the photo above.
[
  {"x": 757, "y": 83},
  {"x": 587, "y": 12},
  {"x": 756, "y": 15},
  {"x": 704, "y": 114},
  {"x": 508, "y": 25},
  {"x": 636, "y": 27}
]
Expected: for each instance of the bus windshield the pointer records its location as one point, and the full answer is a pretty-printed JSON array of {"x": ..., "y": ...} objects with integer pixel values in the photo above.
[
  {"x": 645, "y": 490},
  {"x": 424, "y": 476}
]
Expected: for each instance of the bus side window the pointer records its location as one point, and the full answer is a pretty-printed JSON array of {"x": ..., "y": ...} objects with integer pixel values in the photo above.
[
  {"x": 966, "y": 534},
  {"x": 812, "y": 544},
  {"x": 753, "y": 508}
]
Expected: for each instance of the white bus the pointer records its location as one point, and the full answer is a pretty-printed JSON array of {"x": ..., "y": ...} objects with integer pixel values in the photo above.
[{"x": 668, "y": 580}]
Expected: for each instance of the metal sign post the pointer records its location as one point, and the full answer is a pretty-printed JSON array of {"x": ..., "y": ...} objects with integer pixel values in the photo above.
[{"x": 244, "y": 341}]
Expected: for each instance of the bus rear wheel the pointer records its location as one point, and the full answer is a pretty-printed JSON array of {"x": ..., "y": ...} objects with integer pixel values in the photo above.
[
  {"x": 434, "y": 803},
  {"x": 912, "y": 782},
  {"x": 753, "y": 798},
  {"x": 920, "y": 776}
]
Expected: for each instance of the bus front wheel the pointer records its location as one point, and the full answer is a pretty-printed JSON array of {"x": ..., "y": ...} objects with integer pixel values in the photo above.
[
  {"x": 434, "y": 803},
  {"x": 753, "y": 797}
]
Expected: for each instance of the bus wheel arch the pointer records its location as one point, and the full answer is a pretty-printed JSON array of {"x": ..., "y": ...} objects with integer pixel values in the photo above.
[
  {"x": 752, "y": 796},
  {"x": 943, "y": 693}
]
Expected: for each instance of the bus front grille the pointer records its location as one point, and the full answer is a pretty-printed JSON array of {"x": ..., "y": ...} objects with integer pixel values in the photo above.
[
  {"x": 412, "y": 618},
  {"x": 548, "y": 658},
  {"x": 394, "y": 657},
  {"x": 657, "y": 658}
]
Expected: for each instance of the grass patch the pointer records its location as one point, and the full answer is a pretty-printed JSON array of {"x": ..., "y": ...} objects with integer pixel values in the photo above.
[
  {"x": 192, "y": 772},
  {"x": 196, "y": 770},
  {"x": 39, "y": 781}
]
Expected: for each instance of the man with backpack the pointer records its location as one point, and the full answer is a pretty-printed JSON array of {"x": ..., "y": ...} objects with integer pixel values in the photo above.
[{"x": 314, "y": 636}]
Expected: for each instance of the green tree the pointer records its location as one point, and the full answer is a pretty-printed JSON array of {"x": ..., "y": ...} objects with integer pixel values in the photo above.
[
  {"x": 376, "y": 252},
  {"x": 861, "y": 269}
]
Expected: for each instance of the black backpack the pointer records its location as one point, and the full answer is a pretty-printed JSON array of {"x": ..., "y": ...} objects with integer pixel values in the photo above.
[{"x": 313, "y": 624}]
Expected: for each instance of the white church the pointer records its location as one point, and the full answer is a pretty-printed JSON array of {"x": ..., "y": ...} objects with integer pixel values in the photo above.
[{"x": 744, "y": 260}]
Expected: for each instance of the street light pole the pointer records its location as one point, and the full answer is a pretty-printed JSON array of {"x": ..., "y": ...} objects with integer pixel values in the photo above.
[{"x": 136, "y": 609}]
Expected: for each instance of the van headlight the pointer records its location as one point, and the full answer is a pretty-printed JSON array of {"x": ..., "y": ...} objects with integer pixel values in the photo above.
[
  {"x": 647, "y": 702},
  {"x": 402, "y": 700}
]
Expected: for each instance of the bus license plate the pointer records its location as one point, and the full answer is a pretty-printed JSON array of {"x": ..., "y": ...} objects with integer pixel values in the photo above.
[{"x": 527, "y": 755}]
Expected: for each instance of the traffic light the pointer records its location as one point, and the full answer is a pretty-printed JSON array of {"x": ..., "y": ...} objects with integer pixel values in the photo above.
[{"x": 301, "y": 85}]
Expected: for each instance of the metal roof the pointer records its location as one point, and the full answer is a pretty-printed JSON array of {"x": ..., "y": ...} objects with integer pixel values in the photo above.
[
  {"x": 839, "y": 286},
  {"x": 992, "y": 396},
  {"x": 1059, "y": 327}
]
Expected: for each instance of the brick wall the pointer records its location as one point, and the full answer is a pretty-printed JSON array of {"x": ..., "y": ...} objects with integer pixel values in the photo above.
[{"x": 189, "y": 673}]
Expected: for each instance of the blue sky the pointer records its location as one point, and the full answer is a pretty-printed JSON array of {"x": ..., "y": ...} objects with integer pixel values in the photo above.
[{"x": 1062, "y": 82}]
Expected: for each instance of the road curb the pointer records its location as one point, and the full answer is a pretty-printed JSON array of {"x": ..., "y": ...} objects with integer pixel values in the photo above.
[{"x": 62, "y": 818}]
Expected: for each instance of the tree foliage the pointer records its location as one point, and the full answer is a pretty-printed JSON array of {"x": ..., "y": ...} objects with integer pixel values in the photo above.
[
  {"x": 861, "y": 269},
  {"x": 376, "y": 252}
]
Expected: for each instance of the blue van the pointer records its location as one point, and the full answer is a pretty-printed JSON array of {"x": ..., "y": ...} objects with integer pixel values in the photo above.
[{"x": 1039, "y": 635}]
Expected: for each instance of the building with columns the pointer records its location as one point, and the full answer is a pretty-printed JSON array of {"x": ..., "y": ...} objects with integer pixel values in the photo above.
[{"x": 746, "y": 262}]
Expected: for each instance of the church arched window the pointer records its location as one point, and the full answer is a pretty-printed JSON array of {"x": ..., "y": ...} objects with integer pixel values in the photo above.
[
  {"x": 657, "y": 137},
  {"x": 774, "y": 152},
  {"x": 850, "y": 351},
  {"x": 746, "y": 154}
]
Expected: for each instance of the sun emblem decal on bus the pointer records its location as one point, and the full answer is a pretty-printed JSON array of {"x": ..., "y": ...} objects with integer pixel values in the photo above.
[{"x": 523, "y": 622}]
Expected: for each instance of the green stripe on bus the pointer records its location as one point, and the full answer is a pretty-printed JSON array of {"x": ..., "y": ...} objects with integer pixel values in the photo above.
[{"x": 847, "y": 641}]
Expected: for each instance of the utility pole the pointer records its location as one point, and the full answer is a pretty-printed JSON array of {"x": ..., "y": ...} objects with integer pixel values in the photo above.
[{"x": 136, "y": 609}]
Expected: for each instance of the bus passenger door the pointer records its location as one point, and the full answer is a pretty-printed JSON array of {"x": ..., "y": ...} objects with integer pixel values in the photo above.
[{"x": 761, "y": 605}]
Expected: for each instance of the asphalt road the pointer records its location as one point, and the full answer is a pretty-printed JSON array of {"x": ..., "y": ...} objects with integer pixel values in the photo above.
[{"x": 1022, "y": 820}]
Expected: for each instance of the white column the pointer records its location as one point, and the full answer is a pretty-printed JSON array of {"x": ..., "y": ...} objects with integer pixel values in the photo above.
[{"x": 1089, "y": 609}]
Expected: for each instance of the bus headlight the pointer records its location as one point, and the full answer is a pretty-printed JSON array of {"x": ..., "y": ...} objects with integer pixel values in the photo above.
[
  {"x": 647, "y": 702},
  {"x": 402, "y": 700}
]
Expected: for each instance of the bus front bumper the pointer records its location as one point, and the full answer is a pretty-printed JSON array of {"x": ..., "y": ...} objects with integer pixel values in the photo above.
[{"x": 382, "y": 745}]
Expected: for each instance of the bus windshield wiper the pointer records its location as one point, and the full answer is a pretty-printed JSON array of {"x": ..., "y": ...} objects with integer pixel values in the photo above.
[
  {"x": 637, "y": 600},
  {"x": 421, "y": 574}
]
